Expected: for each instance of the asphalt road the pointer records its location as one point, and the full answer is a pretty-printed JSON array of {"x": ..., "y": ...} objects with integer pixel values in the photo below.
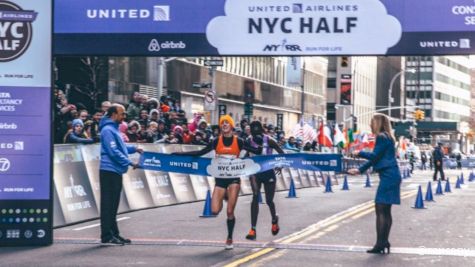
[{"x": 317, "y": 229}]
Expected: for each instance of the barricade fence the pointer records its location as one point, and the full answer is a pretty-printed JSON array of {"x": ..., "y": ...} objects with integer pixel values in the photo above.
[{"x": 77, "y": 184}]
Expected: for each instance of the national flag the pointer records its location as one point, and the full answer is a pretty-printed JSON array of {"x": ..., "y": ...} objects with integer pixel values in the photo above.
[
  {"x": 345, "y": 134},
  {"x": 350, "y": 136},
  {"x": 339, "y": 138},
  {"x": 371, "y": 141},
  {"x": 305, "y": 132},
  {"x": 324, "y": 136}
]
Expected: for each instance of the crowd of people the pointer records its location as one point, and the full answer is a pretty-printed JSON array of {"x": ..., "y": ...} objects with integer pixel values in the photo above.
[{"x": 151, "y": 120}]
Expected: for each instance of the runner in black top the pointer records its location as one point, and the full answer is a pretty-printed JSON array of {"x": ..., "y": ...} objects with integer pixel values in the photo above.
[{"x": 267, "y": 178}]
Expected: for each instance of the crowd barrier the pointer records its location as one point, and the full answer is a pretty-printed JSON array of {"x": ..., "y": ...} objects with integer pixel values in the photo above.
[
  {"x": 77, "y": 189},
  {"x": 451, "y": 163}
]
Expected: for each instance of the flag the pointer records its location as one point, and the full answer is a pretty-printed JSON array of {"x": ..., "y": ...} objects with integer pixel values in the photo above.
[
  {"x": 305, "y": 132},
  {"x": 339, "y": 137},
  {"x": 324, "y": 136},
  {"x": 350, "y": 136},
  {"x": 345, "y": 134},
  {"x": 371, "y": 141}
]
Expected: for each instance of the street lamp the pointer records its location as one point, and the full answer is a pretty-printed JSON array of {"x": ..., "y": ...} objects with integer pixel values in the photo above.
[{"x": 390, "y": 98}]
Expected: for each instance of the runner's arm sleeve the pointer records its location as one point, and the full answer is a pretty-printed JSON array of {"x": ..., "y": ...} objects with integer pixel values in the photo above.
[
  {"x": 246, "y": 146},
  {"x": 274, "y": 145}
]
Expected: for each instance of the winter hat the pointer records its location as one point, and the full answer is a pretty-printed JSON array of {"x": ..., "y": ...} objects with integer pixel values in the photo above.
[
  {"x": 202, "y": 121},
  {"x": 178, "y": 129},
  {"x": 226, "y": 118},
  {"x": 123, "y": 127},
  {"x": 77, "y": 122},
  {"x": 134, "y": 123},
  {"x": 154, "y": 111}
]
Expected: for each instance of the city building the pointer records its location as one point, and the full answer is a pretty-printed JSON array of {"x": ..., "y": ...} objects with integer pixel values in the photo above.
[
  {"x": 351, "y": 92},
  {"x": 389, "y": 79},
  {"x": 441, "y": 87},
  {"x": 265, "y": 76}
]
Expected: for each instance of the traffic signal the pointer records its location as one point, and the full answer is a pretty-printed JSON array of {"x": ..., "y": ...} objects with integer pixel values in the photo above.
[
  {"x": 249, "y": 92},
  {"x": 248, "y": 109},
  {"x": 419, "y": 115},
  {"x": 345, "y": 62}
]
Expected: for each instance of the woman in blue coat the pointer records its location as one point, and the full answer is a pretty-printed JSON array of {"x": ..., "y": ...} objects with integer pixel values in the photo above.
[{"x": 383, "y": 161}]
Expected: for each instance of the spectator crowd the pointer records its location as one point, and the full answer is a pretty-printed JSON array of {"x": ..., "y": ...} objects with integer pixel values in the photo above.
[{"x": 151, "y": 120}]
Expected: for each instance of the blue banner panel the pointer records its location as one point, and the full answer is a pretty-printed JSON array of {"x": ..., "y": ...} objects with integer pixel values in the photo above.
[
  {"x": 229, "y": 168},
  {"x": 25, "y": 122},
  {"x": 263, "y": 27}
]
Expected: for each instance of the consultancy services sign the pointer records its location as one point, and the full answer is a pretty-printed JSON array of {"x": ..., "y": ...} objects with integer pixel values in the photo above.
[
  {"x": 25, "y": 122},
  {"x": 264, "y": 27}
]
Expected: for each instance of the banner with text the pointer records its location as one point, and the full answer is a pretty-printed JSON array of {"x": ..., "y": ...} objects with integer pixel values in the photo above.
[
  {"x": 228, "y": 168},
  {"x": 263, "y": 27},
  {"x": 25, "y": 122}
]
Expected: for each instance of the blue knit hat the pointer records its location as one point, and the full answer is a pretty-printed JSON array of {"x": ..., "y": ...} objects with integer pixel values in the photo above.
[{"x": 78, "y": 121}]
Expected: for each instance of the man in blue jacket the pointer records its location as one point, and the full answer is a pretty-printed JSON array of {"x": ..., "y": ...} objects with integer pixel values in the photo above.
[
  {"x": 114, "y": 162},
  {"x": 438, "y": 157}
]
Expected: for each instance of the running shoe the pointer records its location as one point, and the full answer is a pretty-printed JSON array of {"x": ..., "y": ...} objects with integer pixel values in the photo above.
[
  {"x": 251, "y": 235},
  {"x": 275, "y": 226},
  {"x": 229, "y": 244}
]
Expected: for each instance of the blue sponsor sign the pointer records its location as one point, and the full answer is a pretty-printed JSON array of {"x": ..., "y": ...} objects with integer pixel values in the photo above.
[
  {"x": 263, "y": 27},
  {"x": 25, "y": 123}
]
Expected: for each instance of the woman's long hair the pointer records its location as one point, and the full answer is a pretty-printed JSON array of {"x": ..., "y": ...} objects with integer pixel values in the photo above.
[{"x": 382, "y": 124}]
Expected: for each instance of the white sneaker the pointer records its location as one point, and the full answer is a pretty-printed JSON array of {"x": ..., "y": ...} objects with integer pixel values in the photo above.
[{"x": 229, "y": 244}]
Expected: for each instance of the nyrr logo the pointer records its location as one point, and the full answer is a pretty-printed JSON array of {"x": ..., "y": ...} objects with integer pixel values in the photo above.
[
  {"x": 152, "y": 162},
  {"x": 282, "y": 47},
  {"x": 16, "y": 30}
]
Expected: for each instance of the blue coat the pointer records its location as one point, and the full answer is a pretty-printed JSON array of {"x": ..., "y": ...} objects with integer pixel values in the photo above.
[
  {"x": 383, "y": 155},
  {"x": 114, "y": 152},
  {"x": 438, "y": 154}
]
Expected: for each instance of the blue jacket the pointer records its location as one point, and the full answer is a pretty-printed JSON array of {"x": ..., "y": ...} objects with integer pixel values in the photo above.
[
  {"x": 438, "y": 155},
  {"x": 383, "y": 155},
  {"x": 114, "y": 152},
  {"x": 288, "y": 146}
]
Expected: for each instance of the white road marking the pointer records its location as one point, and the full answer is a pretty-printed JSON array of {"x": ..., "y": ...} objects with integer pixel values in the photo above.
[{"x": 98, "y": 224}]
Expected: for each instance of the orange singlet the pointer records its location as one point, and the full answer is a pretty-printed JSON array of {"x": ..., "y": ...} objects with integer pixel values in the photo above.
[{"x": 221, "y": 149}]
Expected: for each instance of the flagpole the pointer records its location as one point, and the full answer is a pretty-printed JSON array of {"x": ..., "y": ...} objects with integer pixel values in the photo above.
[{"x": 302, "y": 84}]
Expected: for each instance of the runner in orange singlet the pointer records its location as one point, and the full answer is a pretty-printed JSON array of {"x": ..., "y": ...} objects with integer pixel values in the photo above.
[{"x": 226, "y": 145}]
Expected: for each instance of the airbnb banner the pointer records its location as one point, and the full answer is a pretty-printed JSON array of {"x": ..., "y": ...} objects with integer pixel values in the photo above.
[{"x": 263, "y": 27}]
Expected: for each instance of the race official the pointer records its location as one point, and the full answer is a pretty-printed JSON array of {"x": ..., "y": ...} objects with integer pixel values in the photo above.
[{"x": 114, "y": 162}]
